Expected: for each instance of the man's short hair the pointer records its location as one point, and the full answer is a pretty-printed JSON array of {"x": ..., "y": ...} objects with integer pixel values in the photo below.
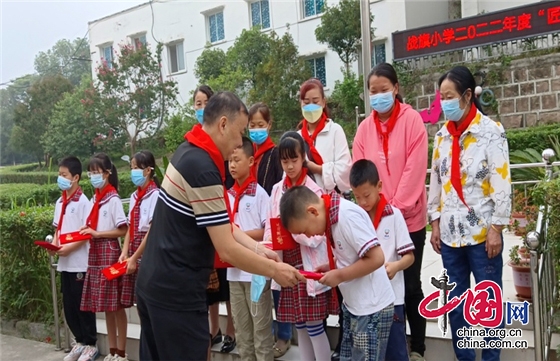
[
  {"x": 247, "y": 147},
  {"x": 362, "y": 172},
  {"x": 223, "y": 104},
  {"x": 294, "y": 203},
  {"x": 73, "y": 164}
]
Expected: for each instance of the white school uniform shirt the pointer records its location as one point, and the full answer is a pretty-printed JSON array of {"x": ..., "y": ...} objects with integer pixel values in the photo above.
[
  {"x": 253, "y": 208},
  {"x": 75, "y": 217},
  {"x": 332, "y": 145},
  {"x": 147, "y": 207},
  {"x": 395, "y": 241},
  {"x": 111, "y": 213},
  {"x": 353, "y": 236}
]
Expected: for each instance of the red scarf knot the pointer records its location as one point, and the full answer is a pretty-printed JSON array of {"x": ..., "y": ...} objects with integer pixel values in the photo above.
[
  {"x": 100, "y": 195},
  {"x": 300, "y": 181},
  {"x": 259, "y": 151},
  {"x": 310, "y": 139},
  {"x": 385, "y": 134},
  {"x": 249, "y": 187},
  {"x": 135, "y": 211}
]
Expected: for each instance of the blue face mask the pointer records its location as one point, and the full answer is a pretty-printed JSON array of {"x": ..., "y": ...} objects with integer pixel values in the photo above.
[
  {"x": 63, "y": 183},
  {"x": 200, "y": 115},
  {"x": 137, "y": 177},
  {"x": 97, "y": 180},
  {"x": 258, "y": 284},
  {"x": 452, "y": 109},
  {"x": 382, "y": 102},
  {"x": 258, "y": 136}
]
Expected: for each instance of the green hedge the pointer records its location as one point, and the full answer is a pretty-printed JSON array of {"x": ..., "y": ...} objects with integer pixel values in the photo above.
[
  {"x": 20, "y": 168},
  {"x": 534, "y": 137},
  {"x": 28, "y": 177},
  {"x": 25, "y": 289}
]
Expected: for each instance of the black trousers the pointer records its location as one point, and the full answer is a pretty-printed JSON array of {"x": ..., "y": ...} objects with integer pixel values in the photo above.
[
  {"x": 172, "y": 335},
  {"x": 82, "y": 324},
  {"x": 413, "y": 295}
]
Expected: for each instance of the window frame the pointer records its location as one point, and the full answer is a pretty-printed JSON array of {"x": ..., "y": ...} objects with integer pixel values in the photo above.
[
  {"x": 373, "y": 52},
  {"x": 139, "y": 36},
  {"x": 251, "y": 3},
  {"x": 316, "y": 14},
  {"x": 314, "y": 69},
  {"x": 175, "y": 44},
  {"x": 209, "y": 24},
  {"x": 102, "y": 54}
]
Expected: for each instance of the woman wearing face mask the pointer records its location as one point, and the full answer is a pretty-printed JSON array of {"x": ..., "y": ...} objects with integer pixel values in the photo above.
[
  {"x": 201, "y": 96},
  {"x": 327, "y": 148},
  {"x": 142, "y": 204},
  {"x": 267, "y": 167},
  {"x": 469, "y": 201},
  {"x": 395, "y": 139}
]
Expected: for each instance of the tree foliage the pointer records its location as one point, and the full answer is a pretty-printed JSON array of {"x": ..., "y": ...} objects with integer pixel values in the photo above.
[
  {"x": 341, "y": 29},
  {"x": 71, "y": 59},
  {"x": 259, "y": 67},
  {"x": 130, "y": 95},
  {"x": 33, "y": 113},
  {"x": 73, "y": 131}
]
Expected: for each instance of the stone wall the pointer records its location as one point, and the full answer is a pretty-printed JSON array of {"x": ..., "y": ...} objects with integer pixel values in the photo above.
[{"x": 528, "y": 92}]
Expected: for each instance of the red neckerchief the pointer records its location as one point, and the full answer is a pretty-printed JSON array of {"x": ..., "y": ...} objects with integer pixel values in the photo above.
[
  {"x": 140, "y": 194},
  {"x": 93, "y": 217},
  {"x": 259, "y": 152},
  {"x": 197, "y": 125},
  {"x": 238, "y": 191},
  {"x": 310, "y": 140},
  {"x": 380, "y": 210},
  {"x": 301, "y": 180},
  {"x": 65, "y": 201},
  {"x": 199, "y": 138},
  {"x": 390, "y": 126},
  {"x": 456, "y": 151},
  {"x": 331, "y": 202}
]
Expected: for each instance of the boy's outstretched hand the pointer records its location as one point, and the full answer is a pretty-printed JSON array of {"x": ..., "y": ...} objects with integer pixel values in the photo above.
[
  {"x": 332, "y": 278},
  {"x": 286, "y": 275}
]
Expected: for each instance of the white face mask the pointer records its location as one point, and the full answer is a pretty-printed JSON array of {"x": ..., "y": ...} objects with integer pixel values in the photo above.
[{"x": 312, "y": 112}]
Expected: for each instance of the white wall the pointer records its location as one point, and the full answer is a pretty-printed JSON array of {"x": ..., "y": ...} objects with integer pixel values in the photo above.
[{"x": 475, "y": 7}]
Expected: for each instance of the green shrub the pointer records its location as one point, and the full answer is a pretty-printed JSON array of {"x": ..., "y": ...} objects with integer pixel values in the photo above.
[
  {"x": 537, "y": 138},
  {"x": 14, "y": 196},
  {"x": 20, "y": 168},
  {"x": 28, "y": 177},
  {"x": 25, "y": 289}
]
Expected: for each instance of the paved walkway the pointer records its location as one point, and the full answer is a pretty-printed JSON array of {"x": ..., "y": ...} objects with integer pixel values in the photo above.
[{"x": 19, "y": 349}]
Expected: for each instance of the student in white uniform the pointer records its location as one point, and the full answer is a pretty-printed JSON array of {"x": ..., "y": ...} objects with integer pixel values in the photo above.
[
  {"x": 360, "y": 275},
  {"x": 250, "y": 295},
  {"x": 105, "y": 224},
  {"x": 71, "y": 211},
  {"x": 142, "y": 205},
  {"x": 396, "y": 243}
]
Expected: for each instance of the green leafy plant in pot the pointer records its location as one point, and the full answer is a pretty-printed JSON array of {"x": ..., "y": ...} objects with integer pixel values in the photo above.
[{"x": 520, "y": 263}]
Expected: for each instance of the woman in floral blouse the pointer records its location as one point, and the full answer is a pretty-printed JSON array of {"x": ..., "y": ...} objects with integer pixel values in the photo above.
[{"x": 469, "y": 199}]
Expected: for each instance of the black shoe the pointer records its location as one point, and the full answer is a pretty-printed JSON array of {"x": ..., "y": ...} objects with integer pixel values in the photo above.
[
  {"x": 217, "y": 339},
  {"x": 228, "y": 345},
  {"x": 335, "y": 356}
]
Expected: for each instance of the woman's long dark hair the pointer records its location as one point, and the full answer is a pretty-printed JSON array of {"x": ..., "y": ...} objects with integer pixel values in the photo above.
[
  {"x": 204, "y": 89},
  {"x": 385, "y": 70},
  {"x": 145, "y": 159},
  {"x": 101, "y": 161},
  {"x": 463, "y": 79},
  {"x": 292, "y": 146}
]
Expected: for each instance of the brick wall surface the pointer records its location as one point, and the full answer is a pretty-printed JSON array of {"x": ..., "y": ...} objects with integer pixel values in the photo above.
[{"x": 529, "y": 94}]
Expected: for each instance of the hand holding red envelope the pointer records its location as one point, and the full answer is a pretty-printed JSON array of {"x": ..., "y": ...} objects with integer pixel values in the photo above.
[
  {"x": 311, "y": 275},
  {"x": 47, "y": 246},
  {"x": 73, "y": 237},
  {"x": 115, "y": 271}
]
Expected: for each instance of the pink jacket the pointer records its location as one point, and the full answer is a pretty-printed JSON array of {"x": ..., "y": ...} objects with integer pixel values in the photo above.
[{"x": 405, "y": 187}]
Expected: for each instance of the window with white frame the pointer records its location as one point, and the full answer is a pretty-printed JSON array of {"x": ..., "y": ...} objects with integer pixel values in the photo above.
[
  {"x": 260, "y": 14},
  {"x": 176, "y": 57},
  {"x": 216, "y": 27},
  {"x": 107, "y": 55},
  {"x": 318, "y": 69},
  {"x": 139, "y": 41},
  {"x": 378, "y": 54},
  {"x": 312, "y": 7}
]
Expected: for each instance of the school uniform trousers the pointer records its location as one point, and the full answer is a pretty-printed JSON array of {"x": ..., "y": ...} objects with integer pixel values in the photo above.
[{"x": 81, "y": 323}]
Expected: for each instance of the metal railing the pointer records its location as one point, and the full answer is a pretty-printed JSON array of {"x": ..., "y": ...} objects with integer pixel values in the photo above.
[{"x": 544, "y": 285}]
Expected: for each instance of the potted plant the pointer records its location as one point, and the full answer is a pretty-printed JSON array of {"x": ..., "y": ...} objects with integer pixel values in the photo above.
[
  {"x": 520, "y": 262},
  {"x": 518, "y": 222}
]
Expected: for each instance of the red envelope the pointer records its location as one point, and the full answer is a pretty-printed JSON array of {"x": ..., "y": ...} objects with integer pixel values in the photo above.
[
  {"x": 312, "y": 275},
  {"x": 73, "y": 237},
  {"x": 116, "y": 270},
  {"x": 47, "y": 245},
  {"x": 282, "y": 240},
  {"x": 219, "y": 263}
]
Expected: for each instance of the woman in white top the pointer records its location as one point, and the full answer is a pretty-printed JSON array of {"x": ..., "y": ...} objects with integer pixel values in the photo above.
[{"x": 327, "y": 147}]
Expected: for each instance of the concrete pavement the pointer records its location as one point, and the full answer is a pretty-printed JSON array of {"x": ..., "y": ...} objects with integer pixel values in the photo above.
[{"x": 19, "y": 349}]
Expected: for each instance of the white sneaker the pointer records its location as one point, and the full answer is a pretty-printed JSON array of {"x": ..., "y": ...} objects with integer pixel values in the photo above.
[
  {"x": 75, "y": 353},
  {"x": 89, "y": 353},
  {"x": 109, "y": 357},
  {"x": 118, "y": 358}
]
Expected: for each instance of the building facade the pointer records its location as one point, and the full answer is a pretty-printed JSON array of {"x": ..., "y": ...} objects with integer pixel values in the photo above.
[{"x": 186, "y": 27}]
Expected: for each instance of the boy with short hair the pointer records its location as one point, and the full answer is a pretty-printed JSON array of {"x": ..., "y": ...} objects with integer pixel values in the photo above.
[
  {"x": 395, "y": 241},
  {"x": 367, "y": 293},
  {"x": 251, "y": 304},
  {"x": 71, "y": 212}
]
